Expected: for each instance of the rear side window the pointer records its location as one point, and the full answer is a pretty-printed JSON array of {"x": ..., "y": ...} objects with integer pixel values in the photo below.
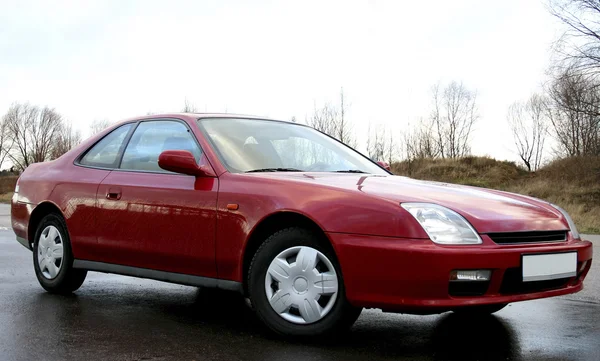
[
  {"x": 152, "y": 138},
  {"x": 105, "y": 153}
]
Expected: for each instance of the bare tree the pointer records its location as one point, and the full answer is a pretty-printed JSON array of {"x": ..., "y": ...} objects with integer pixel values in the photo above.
[
  {"x": 99, "y": 125},
  {"x": 33, "y": 131},
  {"x": 6, "y": 141},
  {"x": 580, "y": 44},
  {"x": 66, "y": 139},
  {"x": 380, "y": 144},
  {"x": 453, "y": 116},
  {"x": 390, "y": 148},
  {"x": 343, "y": 127},
  {"x": 436, "y": 119},
  {"x": 575, "y": 88},
  {"x": 43, "y": 130},
  {"x": 324, "y": 119},
  {"x": 575, "y": 113},
  {"x": 420, "y": 142},
  {"x": 16, "y": 120},
  {"x": 528, "y": 124},
  {"x": 374, "y": 142},
  {"x": 189, "y": 107},
  {"x": 333, "y": 121}
]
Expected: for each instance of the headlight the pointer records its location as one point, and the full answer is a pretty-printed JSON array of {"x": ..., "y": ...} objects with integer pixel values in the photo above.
[
  {"x": 443, "y": 225},
  {"x": 572, "y": 227}
]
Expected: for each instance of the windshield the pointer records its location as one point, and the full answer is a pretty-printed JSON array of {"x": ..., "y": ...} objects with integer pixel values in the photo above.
[{"x": 251, "y": 145}]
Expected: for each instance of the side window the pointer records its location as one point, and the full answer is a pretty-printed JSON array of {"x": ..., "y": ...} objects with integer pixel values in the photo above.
[
  {"x": 105, "y": 153},
  {"x": 152, "y": 138}
]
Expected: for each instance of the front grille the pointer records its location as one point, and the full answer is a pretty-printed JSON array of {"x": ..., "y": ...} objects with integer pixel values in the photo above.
[
  {"x": 528, "y": 237},
  {"x": 513, "y": 283}
]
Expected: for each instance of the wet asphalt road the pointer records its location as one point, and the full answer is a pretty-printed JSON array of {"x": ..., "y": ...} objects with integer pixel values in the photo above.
[{"x": 122, "y": 318}]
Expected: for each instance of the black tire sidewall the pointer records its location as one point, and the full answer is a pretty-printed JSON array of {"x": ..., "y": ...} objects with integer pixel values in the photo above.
[
  {"x": 67, "y": 261},
  {"x": 337, "y": 318}
]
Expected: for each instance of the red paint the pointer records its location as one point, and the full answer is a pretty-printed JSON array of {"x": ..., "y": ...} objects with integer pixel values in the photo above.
[
  {"x": 185, "y": 223},
  {"x": 182, "y": 161},
  {"x": 414, "y": 273},
  {"x": 162, "y": 221}
]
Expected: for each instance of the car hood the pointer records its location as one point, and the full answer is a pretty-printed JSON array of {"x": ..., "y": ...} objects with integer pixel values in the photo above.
[{"x": 487, "y": 210}]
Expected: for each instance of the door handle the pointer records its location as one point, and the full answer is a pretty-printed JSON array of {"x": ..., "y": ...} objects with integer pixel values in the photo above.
[{"x": 113, "y": 194}]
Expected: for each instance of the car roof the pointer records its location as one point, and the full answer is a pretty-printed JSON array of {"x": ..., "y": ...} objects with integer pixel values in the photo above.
[
  {"x": 202, "y": 115},
  {"x": 196, "y": 116}
]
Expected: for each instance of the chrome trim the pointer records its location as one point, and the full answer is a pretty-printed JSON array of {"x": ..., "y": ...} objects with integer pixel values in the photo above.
[{"x": 171, "y": 277}]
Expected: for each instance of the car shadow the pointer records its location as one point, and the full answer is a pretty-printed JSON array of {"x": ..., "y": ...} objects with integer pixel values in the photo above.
[
  {"x": 448, "y": 337},
  {"x": 457, "y": 337},
  {"x": 154, "y": 320}
]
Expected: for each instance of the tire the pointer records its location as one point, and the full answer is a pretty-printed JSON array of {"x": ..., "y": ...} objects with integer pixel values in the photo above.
[
  {"x": 480, "y": 310},
  {"x": 333, "y": 314},
  {"x": 62, "y": 278}
]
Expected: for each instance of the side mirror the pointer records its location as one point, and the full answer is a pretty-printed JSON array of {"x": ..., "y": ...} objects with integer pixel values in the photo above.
[
  {"x": 180, "y": 161},
  {"x": 384, "y": 165}
]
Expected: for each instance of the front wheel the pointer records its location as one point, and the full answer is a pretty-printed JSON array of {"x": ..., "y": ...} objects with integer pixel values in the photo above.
[
  {"x": 296, "y": 286},
  {"x": 53, "y": 259}
]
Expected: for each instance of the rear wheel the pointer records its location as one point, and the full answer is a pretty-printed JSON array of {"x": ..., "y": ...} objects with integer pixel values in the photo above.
[
  {"x": 53, "y": 259},
  {"x": 296, "y": 286},
  {"x": 480, "y": 310}
]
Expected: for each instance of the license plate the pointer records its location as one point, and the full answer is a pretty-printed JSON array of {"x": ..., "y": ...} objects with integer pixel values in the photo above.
[{"x": 541, "y": 267}]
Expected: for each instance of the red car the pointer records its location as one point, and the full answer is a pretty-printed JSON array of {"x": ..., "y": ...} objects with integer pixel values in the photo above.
[{"x": 307, "y": 228}]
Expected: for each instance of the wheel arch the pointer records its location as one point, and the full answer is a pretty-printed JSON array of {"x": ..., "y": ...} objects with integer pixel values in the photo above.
[
  {"x": 38, "y": 213},
  {"x": 271, "y": 224}
]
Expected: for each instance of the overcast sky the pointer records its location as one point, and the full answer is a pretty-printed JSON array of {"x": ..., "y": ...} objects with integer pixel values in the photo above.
[{"x": 117, "y": 59}]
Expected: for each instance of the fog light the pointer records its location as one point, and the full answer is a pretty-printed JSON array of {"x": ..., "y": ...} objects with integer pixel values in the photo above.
[
  {"x": 470, "y": 275},
  {"x": 583, "y": 264}
]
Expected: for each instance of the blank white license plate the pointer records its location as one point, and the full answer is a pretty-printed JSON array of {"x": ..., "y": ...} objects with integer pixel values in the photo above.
[{"x": 540, "y": 267}]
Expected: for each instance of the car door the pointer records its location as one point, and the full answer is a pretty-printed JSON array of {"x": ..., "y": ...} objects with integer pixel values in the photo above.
[{"x": 151, "y": 218}]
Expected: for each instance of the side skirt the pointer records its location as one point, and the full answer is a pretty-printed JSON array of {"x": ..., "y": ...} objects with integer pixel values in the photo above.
[{"x": 170, "y": 277}]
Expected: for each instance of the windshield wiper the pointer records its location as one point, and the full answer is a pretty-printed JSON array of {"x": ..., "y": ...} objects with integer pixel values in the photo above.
[
  {"x": 274, "y": 170},
  {"x": 350, "y": 171}
]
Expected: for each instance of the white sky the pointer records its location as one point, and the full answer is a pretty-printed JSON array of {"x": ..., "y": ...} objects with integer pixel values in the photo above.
[{"x": 116, "y": 59}]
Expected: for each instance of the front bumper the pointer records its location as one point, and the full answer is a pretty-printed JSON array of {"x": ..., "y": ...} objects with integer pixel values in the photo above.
[{"x": 413, "y": 275}]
